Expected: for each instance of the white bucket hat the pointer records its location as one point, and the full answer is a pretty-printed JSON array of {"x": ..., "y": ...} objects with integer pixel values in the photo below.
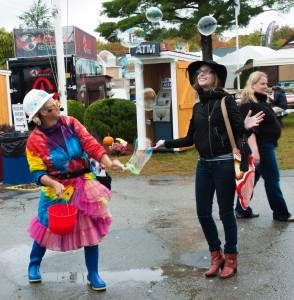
[{"x": 33, "y": 101}]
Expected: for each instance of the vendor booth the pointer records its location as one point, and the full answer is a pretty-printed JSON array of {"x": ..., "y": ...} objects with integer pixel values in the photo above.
[
  {"x": 5, "y": 104},
  {"x": 279, "y": 66},
  {"x": 244, "y": 54},
  {"x": 165, "y": 73}
]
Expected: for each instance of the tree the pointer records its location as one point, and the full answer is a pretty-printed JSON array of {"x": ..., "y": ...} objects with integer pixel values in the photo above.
[
  {"x": 6, "y": 47},
  {"x": 181, "y": 17},
  {"x": 115, "y": 48},
  {"x": 38, "y": 16}
]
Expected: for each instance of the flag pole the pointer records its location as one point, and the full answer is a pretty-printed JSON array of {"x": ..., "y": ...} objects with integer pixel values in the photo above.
[{"x": 237, "y": 11}]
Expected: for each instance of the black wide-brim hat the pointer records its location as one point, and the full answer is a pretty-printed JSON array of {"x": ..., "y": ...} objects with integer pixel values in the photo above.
[{"x": 220, "y": 70}]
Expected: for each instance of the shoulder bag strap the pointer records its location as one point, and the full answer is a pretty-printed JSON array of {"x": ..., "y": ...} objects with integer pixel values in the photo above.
[{"x": 228, "y": 124}]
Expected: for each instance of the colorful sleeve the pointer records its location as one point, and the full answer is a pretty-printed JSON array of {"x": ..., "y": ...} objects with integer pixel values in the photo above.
[
  {"x": 88, "y": 142},
  {"x": 37, "y": 166}
]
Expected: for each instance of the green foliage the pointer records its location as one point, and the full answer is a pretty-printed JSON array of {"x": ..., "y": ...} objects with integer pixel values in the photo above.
[
  {"x": 6, "y": 47},
  {"x": 76, "y": 109},
  {"x": 38, "y": 16},
  {"x": 245, "y": 74},
  {"x": 116, "y": 117},
  {"x": 182, "y": 17},
  {"x": 257, "y": 38}
]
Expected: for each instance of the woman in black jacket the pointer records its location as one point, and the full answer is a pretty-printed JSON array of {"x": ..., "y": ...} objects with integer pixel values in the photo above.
[
  {"x": 215, "y": 168},
  {"x": 262, "y": 142}
]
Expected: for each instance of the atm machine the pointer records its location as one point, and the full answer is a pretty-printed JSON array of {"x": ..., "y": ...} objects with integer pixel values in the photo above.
[{"x": 162, "y": 112}]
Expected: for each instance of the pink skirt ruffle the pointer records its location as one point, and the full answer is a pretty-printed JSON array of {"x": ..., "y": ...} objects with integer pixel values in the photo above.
[{"x": 92, "y": 222}]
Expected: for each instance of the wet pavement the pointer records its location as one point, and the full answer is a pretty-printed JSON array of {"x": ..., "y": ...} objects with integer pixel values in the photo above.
[{"x": 156, "y": 249}]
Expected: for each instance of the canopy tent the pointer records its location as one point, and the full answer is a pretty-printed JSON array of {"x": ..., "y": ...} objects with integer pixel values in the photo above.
[
  {"x": 281, "y": 57},
  {"x": 245, "y": 53},
  {"x": 277, "y": 58},
  {"x": 199, "y": 53}
]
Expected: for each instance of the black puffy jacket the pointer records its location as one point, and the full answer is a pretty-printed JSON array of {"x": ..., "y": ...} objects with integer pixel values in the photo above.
[
  {"x": 207, "y": 129},
  {"x": 269, "y": 130}
]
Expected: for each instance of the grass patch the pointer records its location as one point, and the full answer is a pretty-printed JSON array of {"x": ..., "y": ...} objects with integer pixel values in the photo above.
[
  {"x": 184, "y": 163},
  {"x": 285, "y": 150}
]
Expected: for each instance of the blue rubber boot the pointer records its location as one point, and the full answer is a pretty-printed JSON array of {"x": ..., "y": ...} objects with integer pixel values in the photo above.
[
  {"x": 91, "y": 258},
  {"x": 36, "y": 256}
]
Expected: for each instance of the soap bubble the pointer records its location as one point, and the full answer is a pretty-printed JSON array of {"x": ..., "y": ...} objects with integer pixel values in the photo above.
[
  {"x": 149, "y": 99},
  {"x": 132, "y": 37},
  {"x": 108, "y": 58},
  {"x": 154, "y": 14},
  {"x": 142, "y": 153},
  {"x": 207, "y": 25},
  {"x": 128, "y": 66}
]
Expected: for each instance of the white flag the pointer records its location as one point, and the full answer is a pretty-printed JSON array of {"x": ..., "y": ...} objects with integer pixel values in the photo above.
[{"x": 237, "y": 7}]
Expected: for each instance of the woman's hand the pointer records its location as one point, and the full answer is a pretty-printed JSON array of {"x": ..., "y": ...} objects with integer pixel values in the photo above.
[
  {"x": 254, "y": 120},
  {"x": 159, "y": 144},
  {"x": 116, "y": 165},
  {"x": 58, "y": 188},
  {"x": 113, "y": 165}
]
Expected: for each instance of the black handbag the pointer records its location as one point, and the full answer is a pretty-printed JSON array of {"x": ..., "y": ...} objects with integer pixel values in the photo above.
[{"x": 105, "y": 180}]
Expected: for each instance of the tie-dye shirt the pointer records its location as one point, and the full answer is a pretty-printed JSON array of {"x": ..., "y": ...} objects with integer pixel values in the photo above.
[{"x": 48, "y": 154}]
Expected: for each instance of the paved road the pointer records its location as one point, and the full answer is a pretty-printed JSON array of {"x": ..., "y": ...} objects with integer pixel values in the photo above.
[{"x": 156, "y": 249}]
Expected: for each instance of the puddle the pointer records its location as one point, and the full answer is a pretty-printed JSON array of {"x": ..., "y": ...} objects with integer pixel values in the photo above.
[
  {"x": 147, "y": 275},
  {"x": 64, "y": 277},
  {"x": 171, "y": 181},
  {"x": 135, "y": 275},
  {"x": 15, "y": 258}
]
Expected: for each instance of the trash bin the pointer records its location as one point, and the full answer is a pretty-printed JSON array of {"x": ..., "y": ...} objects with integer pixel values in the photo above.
[{"x": 15, "y": 164}]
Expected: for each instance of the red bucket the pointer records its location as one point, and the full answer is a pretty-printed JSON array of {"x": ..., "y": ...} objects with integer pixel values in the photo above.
[{"x": 62, "y": 218}]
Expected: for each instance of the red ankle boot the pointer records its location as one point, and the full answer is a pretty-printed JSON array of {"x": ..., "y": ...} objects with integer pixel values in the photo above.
[
  {"x": 230, "y": 267},
  {"x": 217, "y": 262}
]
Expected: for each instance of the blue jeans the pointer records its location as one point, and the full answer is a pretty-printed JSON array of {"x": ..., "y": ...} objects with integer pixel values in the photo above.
[
  {"x": 269, "y": 170},
  {"x": 217, "y": 176}
]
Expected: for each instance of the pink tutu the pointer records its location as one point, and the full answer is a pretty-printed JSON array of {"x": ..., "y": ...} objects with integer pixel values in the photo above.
[{"x": 92, "y": 223}]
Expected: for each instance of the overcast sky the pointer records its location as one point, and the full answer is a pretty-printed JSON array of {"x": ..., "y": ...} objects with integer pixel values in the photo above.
[{"x": 85, "y": 15}]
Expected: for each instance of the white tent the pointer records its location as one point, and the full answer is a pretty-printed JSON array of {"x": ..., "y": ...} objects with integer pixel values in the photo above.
[
  {"x": 277, "y": 58},
  {"x": 245, "y": 53},
  {"x": 199, "y": 53}
]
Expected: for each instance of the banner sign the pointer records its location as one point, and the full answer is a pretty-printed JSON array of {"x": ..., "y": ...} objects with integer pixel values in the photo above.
[
  {"x": 269, "y": 34},
  {"x": 85, "y": 44},
  {"x": 41, "y": 42}
]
